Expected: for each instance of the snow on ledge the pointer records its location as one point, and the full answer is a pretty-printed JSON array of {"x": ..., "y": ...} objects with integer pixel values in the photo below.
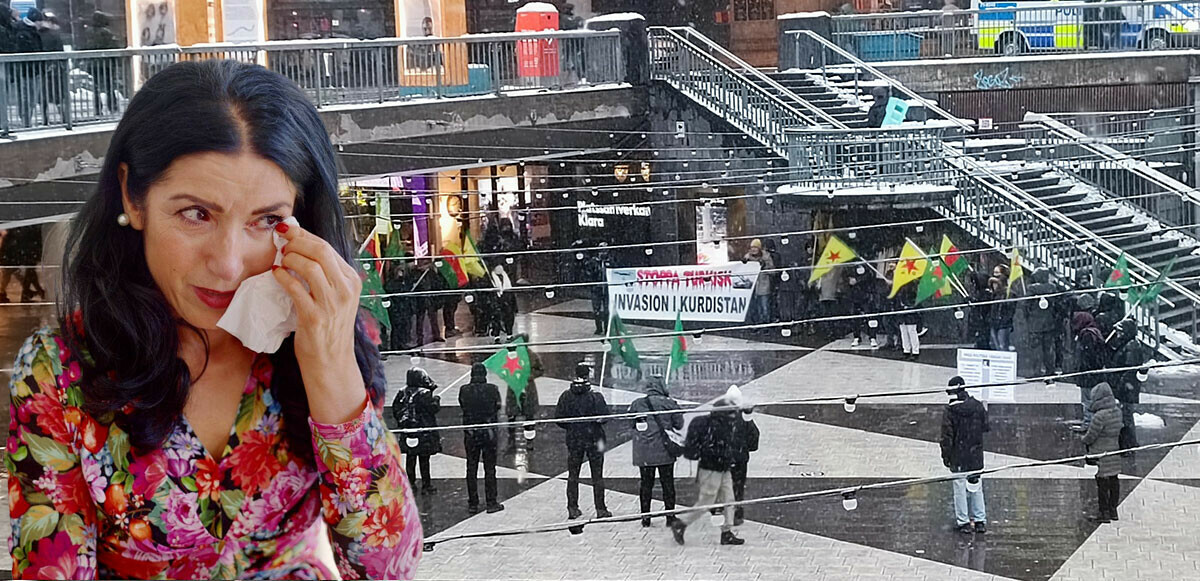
[
  {"x": 789, "y": 15},
  {"x": 617, "y": 17},
  {"x": 538, "y": 7}
]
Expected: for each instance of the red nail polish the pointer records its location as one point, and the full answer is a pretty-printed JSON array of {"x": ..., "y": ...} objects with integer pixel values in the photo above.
[
  {"x": 273, "y": 267},
  {"x": 281, "y": 228}
]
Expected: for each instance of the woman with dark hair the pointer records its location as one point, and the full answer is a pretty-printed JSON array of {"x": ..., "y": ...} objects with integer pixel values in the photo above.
[{"x": 146, "y": 441}]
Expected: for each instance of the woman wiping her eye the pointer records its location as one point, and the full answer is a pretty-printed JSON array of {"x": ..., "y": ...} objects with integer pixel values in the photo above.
[{"x": 147, "y": 442}]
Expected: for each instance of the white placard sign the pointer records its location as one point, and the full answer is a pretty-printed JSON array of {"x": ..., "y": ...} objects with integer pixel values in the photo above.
[
  {"x": 980, "y": 366},
  {"x": 710, "y": 292}
]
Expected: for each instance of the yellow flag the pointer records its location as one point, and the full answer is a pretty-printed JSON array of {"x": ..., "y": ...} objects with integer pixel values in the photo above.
[
  {"x": 836, "y": 252},
  {"x": 1015, "y": 272},
  {"x": 911, "y": 266}
]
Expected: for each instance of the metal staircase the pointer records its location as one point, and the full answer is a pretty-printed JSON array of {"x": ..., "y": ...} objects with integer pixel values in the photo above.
[{"x": 1057, "y": 219}]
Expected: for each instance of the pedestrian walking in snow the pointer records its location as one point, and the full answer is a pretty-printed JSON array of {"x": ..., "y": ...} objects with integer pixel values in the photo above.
[{"x": 710, "y": 440}]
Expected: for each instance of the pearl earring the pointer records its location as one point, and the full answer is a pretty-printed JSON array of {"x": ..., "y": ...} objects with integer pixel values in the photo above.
[{"x": 123, "y": 219}]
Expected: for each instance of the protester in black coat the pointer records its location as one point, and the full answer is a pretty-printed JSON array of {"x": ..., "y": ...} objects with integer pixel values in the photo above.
[
  {"x": 417, "y": 407},
  {"x": 584, "y": 438},
  {"x": 1109, "y": 312},
  {"x": 1126, "y": 385},
  {"x": 745, "y": 440},
  {"x": 1043, "y": 321},
  {"x": 981, "y": 312},
  {"x": 1092, "y": 357},
  {"x": 964, "y": 422},
  {"x": 480, "y": 402},
  {"x": 863, "y": 292}
]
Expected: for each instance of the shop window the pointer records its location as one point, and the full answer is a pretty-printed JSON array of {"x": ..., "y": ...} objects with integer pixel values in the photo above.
[{"x": 747, "y": 10}]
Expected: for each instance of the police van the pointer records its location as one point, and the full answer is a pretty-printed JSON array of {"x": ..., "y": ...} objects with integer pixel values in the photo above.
[{"x": 1011, "y": 28}]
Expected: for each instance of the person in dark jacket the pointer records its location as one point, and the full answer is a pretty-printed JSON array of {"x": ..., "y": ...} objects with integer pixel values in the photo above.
[
  {"x": 980, "y": 314},
  {"x": 1127, "y": 384},
  {"x": 878, "y": 110},
  {"x": 1109, "y": 312},
  {"x": 417, "y": 407},
  {"x": 1043, "y": 322},
  {"x": 1000, "y": 315},
  {"x": 862, "y": 293},
  {"x": 651, "y": 445},
  {"x": 710, "y": 440},
  {"x": 519, "y": 409},
  {"x": 397, "y": 282},
  {"x": 745, "y": 440},
  {"x": 584, "y": 438},
  {"x": 105, "y": 71},
  {"x": 480, "y": 402},
  {"x": 964, "y": 422},
  {"x": 1092, "y": 357},
  {"x": 1103, "y": 436}
]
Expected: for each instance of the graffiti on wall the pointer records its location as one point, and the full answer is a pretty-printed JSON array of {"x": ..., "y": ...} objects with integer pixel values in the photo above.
[{"x": 1000, "y": 80}]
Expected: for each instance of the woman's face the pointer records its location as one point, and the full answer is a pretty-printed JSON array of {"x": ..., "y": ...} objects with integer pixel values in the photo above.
[
  {"x": 207, "y": 226},
  {"x": 998, "y": 272}
]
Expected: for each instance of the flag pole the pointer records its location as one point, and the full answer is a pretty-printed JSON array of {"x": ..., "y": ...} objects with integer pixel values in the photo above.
[{"x": 607, "y": 348}]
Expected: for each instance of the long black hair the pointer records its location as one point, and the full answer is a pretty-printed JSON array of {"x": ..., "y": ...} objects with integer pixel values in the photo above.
[{"x": 135, "y": 375}]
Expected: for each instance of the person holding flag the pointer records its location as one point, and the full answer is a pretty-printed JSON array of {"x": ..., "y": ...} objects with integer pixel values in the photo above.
[
  {"x": 1044, "y": 321},
  {"x": 911, "y": 266},
  {"x": 1000, "y": 315}
]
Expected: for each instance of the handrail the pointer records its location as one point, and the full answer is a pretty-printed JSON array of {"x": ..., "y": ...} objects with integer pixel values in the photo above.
[
  {"x": 299, "y": 44},
  {"x": 774, "y": 138},
  {"x": 926, "y": 103},
  {"x": 1128, "y": 162},
  {"x": 756, "y": 73},
  {"x": 1151, "y": 273}
]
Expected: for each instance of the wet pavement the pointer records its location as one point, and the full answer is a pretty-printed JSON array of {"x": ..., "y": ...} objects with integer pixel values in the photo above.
[{"x": 1037, "y": 525}]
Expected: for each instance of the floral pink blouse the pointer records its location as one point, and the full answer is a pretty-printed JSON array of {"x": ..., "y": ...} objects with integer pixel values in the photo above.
[{"x": 83, "y": 505}]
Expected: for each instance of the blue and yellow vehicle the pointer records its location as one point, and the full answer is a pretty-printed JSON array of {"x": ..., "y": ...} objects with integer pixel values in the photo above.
[{"x": 1015, "y": 27}]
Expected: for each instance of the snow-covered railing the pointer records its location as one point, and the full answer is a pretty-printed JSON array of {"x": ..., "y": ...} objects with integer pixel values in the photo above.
[{"x": 65, "y": 89}]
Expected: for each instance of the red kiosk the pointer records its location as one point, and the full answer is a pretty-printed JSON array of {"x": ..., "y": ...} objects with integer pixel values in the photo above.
[{"x": 537, "y": 58}]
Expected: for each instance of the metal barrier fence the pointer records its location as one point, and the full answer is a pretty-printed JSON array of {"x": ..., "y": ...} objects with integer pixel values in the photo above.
[
  {"x": 65, "y": 89},
  {"x": 829, "y": 157},
  {"x": 1010, "y": 29}
]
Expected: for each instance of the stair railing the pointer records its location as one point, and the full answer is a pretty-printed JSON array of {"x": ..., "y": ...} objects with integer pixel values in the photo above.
[
  {"x": 751, "y": 72},
  {"x": 1088, "y": 159},
  {"x": 704, "y": 78},
  {"x": 813, "y": 49}
]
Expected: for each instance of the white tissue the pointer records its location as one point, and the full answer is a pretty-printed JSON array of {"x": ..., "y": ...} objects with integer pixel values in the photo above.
[{"x": 262, "y": 314}]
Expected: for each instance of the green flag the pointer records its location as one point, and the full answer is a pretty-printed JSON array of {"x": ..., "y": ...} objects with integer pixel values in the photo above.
[
  {"x": 394, "y": 248},
  {"x": 512, "y": 365},
  {"x": 1120, "y": 274},
  {"x": 679, "y": 356},
  {"x": 932, "y": 282},
  {"x": 623, "y": 345},
  {"x": 372, "y": 287},
  {"x": 1150, "y": 293}
]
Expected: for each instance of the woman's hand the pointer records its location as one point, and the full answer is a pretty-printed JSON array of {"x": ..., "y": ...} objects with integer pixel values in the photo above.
[{"x": 325, "y": 313}]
